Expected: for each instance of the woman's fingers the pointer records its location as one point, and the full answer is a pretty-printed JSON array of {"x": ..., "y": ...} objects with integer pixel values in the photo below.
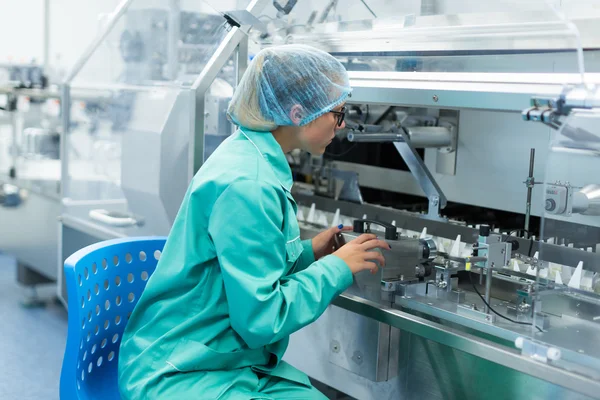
[
  {"x": 365, "y": 237},
  {"x": 374, "y": 256},
  {"x": 373, "y": 244},
  {"x": 372, "y": 267}
]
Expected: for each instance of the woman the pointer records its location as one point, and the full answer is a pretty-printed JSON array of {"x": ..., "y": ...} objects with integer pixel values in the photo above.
[{"x": 235, "y": 280}]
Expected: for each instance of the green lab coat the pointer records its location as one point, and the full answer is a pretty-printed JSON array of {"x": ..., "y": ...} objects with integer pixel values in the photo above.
[{"x": 233, "y": 282}]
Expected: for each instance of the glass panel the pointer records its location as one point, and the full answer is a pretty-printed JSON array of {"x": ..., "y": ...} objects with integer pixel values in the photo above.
[
  {"x": 132, "y": 117},
  {"x": 438, "y": 36},
  {"x": 156, "y": 43},
  {"x": 567, "y": 287}
]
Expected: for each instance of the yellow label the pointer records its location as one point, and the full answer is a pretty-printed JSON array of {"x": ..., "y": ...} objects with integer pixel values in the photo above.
[{"x": 468, "y": 266}]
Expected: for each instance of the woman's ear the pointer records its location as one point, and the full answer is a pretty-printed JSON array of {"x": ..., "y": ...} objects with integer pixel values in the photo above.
[{"x": 296, "y": 114}]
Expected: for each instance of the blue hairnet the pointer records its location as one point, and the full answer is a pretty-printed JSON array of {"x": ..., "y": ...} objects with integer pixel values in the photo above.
[{"x": 283, "y": 76}]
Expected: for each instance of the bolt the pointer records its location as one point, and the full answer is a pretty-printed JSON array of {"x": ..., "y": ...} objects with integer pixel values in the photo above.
[
  {"x": 435, "y": 98},
  {"x": 335, "y": 346}
]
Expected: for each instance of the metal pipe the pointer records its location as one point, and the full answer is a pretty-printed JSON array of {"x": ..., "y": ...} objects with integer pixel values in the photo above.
[
  {"x": 429, "y": 136},
  {"x": 488, "y": 288},
  {"x": 530, "y": 183},
  {"x": 368, "y": 8},
  {"x": 46, "y": 38},
  {"x": 116, "y": 15},
  {"x": 419, "y": 136},
  {"x": 374, "y": 137},
  {"x": 65, "y": 101},
  {"x": 173, "y": 43},
  {"x": 203, "y": 82},
  {"x": 13, "y": 126}
]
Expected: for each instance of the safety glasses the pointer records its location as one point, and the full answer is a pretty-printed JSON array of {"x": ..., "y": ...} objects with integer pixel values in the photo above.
[{"x": 340, "y": 115}]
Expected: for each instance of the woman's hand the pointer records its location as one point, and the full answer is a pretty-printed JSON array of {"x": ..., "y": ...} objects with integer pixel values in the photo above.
[
  {"x": 359, "y": 254},
  {"x": 324, "y": 243}
]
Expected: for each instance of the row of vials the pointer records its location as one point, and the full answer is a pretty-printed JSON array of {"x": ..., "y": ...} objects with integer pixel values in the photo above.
[{"x": 576, "y": 278}]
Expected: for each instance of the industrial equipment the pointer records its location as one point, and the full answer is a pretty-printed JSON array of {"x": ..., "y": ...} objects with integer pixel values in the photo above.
[
  {"x": 471, "y": 143},
  {"x": 160, "y": 76}
]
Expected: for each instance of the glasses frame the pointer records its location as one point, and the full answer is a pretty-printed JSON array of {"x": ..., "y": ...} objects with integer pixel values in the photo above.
[{"x": 341, "y": 115}]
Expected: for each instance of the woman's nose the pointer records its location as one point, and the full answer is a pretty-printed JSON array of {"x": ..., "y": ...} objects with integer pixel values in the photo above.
[{"x": 342, "y": 126}]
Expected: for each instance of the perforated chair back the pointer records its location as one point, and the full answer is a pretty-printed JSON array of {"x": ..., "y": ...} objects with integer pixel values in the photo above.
[{"x": 104, "y": 282}]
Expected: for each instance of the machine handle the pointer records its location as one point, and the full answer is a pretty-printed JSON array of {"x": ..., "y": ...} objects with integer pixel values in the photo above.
[{"x": 391, "y": 232}]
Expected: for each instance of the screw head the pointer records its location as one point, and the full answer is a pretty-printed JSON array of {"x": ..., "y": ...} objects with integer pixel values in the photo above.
[{"x": 435, "y": 98}]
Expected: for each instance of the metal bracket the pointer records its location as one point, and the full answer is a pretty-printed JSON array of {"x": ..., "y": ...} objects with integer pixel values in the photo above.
[
  {"x": 470, "y": 311},
  {"x": 437, "y": 199},
  {"x": 548, "y": 110}
]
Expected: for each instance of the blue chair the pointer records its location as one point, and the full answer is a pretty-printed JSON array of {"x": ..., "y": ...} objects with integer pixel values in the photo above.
[{"x": 104, "y": 282}]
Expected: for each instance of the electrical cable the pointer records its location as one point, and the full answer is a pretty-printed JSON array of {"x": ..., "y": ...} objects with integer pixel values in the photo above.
[
  {"x": 341, "y": 154},
  {"x": 494, "y": 311},
  {"x": 368, "y": 8}
]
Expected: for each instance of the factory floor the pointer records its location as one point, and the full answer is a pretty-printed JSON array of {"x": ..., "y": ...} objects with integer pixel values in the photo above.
[{"x": 32, "y": 341}]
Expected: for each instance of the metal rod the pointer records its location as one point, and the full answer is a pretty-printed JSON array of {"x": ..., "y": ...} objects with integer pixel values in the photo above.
[
  {"x": 46, "y": 38},
  {"x": 65, "y": 101},
  {"x": 202, "y": 84},
  {"x": 530, "y": 183},
  {"x": 116, "y": 15},
  {"x": 429, "y": 136},
  {"x": 374, "y": 137},
  {"x": 420, "y": 137},
  {"x": 488, "y": 288},
  {"x": 13, "y": 126},
  {"x": 418, "y": 169},
  {"x": 368, "y": 8},
  {"x": 173, "y": 43}
]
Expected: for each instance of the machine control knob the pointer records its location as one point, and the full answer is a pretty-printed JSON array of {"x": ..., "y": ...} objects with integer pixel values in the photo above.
[
  {"x": 484, "y": 230},
  {"x": 550, "y": 205}
]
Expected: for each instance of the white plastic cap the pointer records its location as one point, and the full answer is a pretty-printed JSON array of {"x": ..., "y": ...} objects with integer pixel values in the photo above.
[
  {"x": 553, "y": 354},
  {"x": 519, "y": 342}
]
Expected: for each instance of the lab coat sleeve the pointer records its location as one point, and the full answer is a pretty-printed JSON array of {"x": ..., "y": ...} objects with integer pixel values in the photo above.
[
  {"x": 307, "y": 257},
  {"x": 266, "y": 306}
]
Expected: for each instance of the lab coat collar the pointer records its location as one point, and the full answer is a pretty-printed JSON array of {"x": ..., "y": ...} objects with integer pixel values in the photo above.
[{"x": 271, "y": 151}]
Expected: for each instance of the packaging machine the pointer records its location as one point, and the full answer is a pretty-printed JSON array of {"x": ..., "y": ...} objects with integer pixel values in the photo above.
[{"x": 471, "y": 144}]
